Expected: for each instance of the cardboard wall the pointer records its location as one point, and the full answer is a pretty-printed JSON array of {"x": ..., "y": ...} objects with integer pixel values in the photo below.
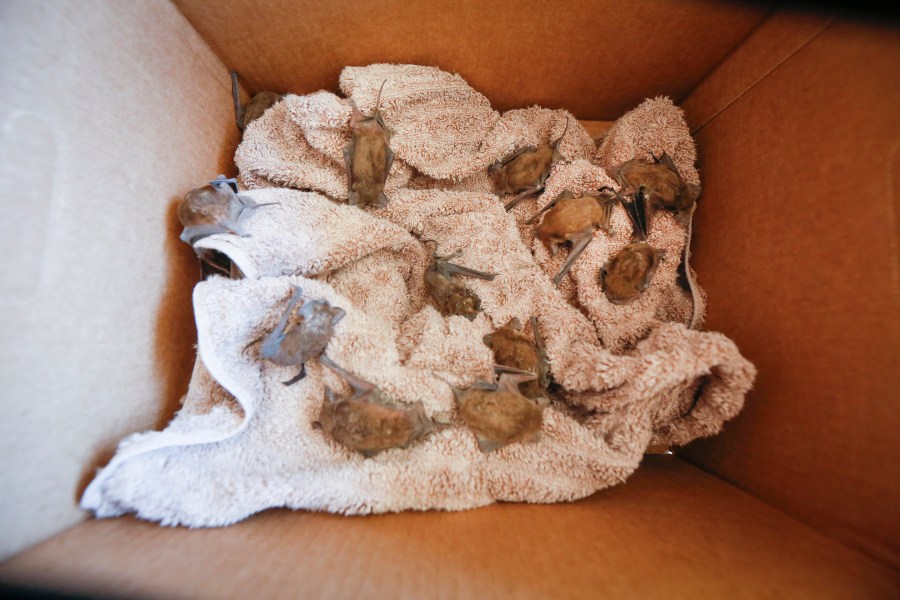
[
  {"x": 597, "y": 58},
  {"x": 109, "y": 112},
  {"x": 796, "y": 242}
]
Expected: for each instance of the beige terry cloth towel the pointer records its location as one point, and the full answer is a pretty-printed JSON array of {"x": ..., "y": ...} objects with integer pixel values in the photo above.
[{"x": 244, "y": 442}]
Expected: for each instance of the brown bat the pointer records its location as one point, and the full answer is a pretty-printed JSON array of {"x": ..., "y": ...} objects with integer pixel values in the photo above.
[
  {"x": 572, "y": 218},
  {"x": 302, "y": 335},
  {"x": 659, "y": 183},
  {"x": 213, "y": 262},
  {"x": 499, "y": 414},
  {"x": 369, "y": 422},
  {"x": 443, "y": 280},
  {"x": 627, "y": 274},
  {"x": 368, "y": 157},
  {"x": 513, "y": 348},
  {"x": 260, "y": 103},
  {"x": 214, "y": 208},
  {"x": 524, "y": 172}
]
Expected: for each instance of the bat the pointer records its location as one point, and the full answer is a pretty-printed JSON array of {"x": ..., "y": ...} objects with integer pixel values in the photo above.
[
  {"x": 260, "y": 103},
  {"x": 499, "y": 414},
  {"x": 214, "y": 208},
  {"x": 515, "y": 351},
  {"x": 300, "y": 335},
  {"x": 574, "y": 219},
  {"x": 443, "y": 280},
  {"x": 368, "y": 422},
  {"x": 368, "y": 157},
  {"x": 525, "y": 172},
  {"x": 660, "y": 184},
  {"x": 213, "y": 262},
  {"x": 627, "y": 274}
]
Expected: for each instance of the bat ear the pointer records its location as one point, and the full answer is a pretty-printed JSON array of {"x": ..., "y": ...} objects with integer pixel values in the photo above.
[
  {"x": 695, "y": 189},
  {"x": 338, "y": 314},
  {"x": 488, "y": 339},
  {"x": 668, "y": 161},
  {"x": 515, "y": 323}
]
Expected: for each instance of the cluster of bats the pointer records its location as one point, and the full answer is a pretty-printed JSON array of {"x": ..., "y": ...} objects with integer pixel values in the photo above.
[{"x": 498, "y": 413}]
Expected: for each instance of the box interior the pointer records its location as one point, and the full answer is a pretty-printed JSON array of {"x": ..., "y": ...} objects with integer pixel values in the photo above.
[{"x": 111, "y": 114}]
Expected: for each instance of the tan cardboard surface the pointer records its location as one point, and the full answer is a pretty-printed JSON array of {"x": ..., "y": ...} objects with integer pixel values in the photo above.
[
  {"x": 795, "y": 241},
  {"x": 109, "y": 111},
  {"x": 671, "y": 532},
  {"x": 596, "y": 59}
]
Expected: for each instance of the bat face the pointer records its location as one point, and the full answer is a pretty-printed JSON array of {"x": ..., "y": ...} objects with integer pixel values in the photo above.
[
  {"x": 301, "y": 335},
  {"x": 512, "y": 347},
  {"x": 500, "y": 417},
  {"x": 259, "y": 104},
  {"x": 573, "y": 217},
  {"x": 368, "y": 424},
  {"x": 368, "y": 158},
  {"x": 627, "y": 274}
]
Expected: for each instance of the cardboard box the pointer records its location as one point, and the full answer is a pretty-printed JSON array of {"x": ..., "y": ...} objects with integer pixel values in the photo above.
[{"x": 112, "y": 110}]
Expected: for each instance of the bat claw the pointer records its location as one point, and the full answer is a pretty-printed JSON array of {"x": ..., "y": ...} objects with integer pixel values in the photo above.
[{"x": 296, "y": 378}]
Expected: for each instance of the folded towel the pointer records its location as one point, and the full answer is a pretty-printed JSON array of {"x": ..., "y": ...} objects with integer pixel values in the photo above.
[{"x": 628, "y": 375}]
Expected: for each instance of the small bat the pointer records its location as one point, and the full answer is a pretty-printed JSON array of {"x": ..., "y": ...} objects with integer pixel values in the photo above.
[
  {"x": 369, "y": 422},
  {"x": 571, "y": 218},
  {"x": 260, "y": 103},
  {"x": 301, "y": 335},
  {"x": 499, "y": 414},
  {"x": 214, "y": 208},
  {"x": 368, "y": 157},
  {"x": 627, "y": 274},
  {"x": 525, "y": 171},
  {"x": 513, "y": 348},
  {"x": 659, "y": 183},
  {"x": 213, "y": 262},
  {"x": 444, "y": 284}
]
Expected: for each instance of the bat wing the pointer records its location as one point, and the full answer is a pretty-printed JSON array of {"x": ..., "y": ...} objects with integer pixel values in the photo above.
[
  {"x": 454, "y": 269},
  {"x": 577, "y": 248},
  {"x": 522, "y": 196},
  {"x": 484, "y": 385},
  {"x": 500, "y": 369},
  {"x": 232, "y": 182},
  {"x": 550, "y": 205},
  {"x": 360, "y": 385},
  {"x": 539, "y": 341},
  {"x": 389, "y": 162},
  {"x": 236, "y": 98},
  {"x": 636, "y": 209}
]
